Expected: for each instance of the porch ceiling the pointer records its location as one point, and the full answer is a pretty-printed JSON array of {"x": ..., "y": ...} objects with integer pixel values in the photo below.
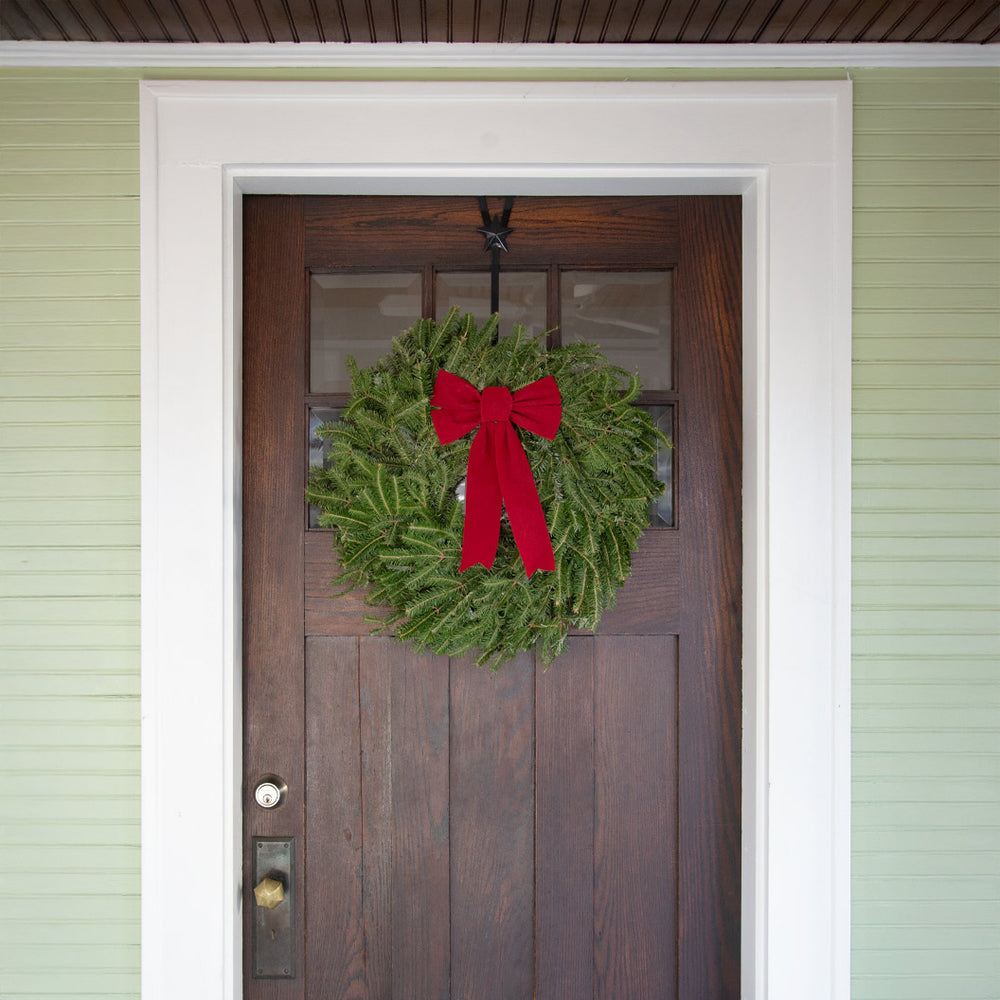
[{"x": 493, "y": 21}]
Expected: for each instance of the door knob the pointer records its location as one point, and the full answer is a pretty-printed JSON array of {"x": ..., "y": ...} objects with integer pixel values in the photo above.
[{"x": 269, "y": 892}]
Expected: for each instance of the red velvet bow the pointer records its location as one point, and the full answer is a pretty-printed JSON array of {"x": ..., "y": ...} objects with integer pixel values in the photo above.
[{"x": 499, "y": 472}]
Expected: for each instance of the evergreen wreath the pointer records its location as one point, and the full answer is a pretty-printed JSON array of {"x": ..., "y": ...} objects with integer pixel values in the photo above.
[{"x": 390, "y": 491}]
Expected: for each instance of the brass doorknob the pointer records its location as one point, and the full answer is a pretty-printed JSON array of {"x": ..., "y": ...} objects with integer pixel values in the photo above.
[{"x": 269, "y": 892}]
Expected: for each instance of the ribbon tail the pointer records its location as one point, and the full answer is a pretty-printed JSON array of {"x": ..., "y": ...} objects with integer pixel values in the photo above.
[
  {"x": 520, "y": 497},
  {"x": 483, "y": 505}
]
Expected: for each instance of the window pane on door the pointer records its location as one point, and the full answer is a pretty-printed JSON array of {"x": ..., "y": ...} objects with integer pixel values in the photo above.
[
  {"x": 661, "y": 510},
  {"x": 356, "y": 315},
  {"x": 627, "y": 313},
  {"x": 522, "y": 297},
  {"x": 319, "y": 447}
]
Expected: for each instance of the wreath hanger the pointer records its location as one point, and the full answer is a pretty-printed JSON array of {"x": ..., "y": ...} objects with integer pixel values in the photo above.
[{"x": 496, "y": 230}]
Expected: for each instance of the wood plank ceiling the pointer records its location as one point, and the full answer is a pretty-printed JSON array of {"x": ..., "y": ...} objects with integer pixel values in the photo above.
[{"x": 518, "y": 21}]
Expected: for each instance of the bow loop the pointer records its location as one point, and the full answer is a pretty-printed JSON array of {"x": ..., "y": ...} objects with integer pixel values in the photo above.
[
  {"x": 538, "y": 407},
  {"x": 499, "y": 473},
  {"x": 459, "y": 407}
]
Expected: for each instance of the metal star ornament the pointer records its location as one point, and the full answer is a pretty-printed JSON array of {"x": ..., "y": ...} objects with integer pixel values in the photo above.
[{"x": 496, "y": 233}]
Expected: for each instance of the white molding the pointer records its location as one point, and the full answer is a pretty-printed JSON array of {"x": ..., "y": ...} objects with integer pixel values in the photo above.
[
  {"x": 430, "y": 56},
  {"x": 787, "y": 148}
]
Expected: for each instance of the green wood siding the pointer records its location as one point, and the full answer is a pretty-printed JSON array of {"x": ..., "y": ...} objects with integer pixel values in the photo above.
[
  {"x": 926, "y": 701},
  {"x": 926, "y": 686},
  {"x": 69, "y": 534}
]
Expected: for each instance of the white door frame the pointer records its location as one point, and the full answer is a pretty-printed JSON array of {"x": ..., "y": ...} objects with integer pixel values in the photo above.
[{"x": 786, "y": 147}]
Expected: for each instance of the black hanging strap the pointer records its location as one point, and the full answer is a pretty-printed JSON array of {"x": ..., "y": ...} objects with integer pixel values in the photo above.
[
  {"x": 484, "y": 211},
  {"x": 496, "y": 231}
]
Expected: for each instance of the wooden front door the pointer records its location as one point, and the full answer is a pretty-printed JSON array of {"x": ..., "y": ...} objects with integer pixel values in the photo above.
[{"x": 460, "y": 834}]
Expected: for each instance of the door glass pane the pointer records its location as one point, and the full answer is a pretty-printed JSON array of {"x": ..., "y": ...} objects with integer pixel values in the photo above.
[
  {"x": 627, "y": 313},
  {"x": 356, "y": 315},
  {"x": 661, "y": 511},
  {"x": 319, "y": 448},
  {"x": 522, "y": 297}
]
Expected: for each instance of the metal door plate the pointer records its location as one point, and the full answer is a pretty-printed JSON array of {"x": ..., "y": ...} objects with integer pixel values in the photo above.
[{"x": 274, "y": 930}]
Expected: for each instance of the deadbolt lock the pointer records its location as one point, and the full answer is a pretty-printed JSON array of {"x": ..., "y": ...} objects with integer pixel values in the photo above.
[{"x": 270, "y": 791}]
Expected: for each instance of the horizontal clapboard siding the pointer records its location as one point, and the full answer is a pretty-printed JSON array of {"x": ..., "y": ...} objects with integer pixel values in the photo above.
[
  {"x": 926, "y": 704},
  {"x": 69, "y": 512},
  {"x": 926, "y": 687}
]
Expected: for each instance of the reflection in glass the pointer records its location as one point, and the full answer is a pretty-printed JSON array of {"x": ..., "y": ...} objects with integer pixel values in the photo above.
[
  {"x": 627, "y": 313},
  {"x": 522, "y": 297},
  {"x": 356, "y": 315},
  {"x": 661, "y": 511},
  {"x": 319, "y": 448}
]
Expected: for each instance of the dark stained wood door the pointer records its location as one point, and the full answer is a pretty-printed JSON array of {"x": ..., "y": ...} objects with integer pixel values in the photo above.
[{"x": 566, "y": 833}]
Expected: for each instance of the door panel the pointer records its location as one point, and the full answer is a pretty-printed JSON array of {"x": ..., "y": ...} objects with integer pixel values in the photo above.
[{"x": 563, "y": 833}]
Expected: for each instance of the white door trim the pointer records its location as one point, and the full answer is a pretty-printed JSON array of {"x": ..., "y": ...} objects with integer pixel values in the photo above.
[
  {"x": 432, "y": 57},
  {"x": 787, "y": 148}
]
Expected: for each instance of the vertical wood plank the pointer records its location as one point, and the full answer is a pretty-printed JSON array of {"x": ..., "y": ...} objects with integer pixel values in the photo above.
[
  {"x": 420, "y": 801},
  {"x": 334, "y": 848},
  {"x": 492, "y": 830},
  {"x": 273, "y": 475},
  {"x": 404, "y": 748},
  {"x": 564, "y": 824},
  {"x": 635, "y": 829},
  {"x": 710, "y": 519},
  {"x": 375, "y": 721}
]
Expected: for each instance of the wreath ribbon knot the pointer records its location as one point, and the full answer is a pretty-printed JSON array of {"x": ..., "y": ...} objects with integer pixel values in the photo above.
[{"x": 499, "y": 474}]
